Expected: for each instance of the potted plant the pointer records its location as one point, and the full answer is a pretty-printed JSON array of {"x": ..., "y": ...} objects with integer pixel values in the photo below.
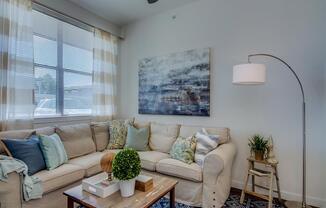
[
  {"x": 258, "y": 145},
  {"x": 126, "y": 167}
]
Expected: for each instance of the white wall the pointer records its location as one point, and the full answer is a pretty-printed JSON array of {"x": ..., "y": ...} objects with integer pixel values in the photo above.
[
  {"x": 324, "y": 123},
  {"x": 77, "y": 12},
  {"x": 291, "y": 29}
]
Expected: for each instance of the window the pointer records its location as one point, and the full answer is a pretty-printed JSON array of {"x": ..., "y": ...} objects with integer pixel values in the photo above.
[{"x": 63, "y": 61}]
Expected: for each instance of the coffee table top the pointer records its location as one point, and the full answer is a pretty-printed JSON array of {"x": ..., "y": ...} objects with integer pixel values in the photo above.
[{"x": 162, "y": 186}]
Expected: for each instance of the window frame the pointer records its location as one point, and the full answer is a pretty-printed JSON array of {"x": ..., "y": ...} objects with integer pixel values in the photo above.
[{"x": 59, "y": 69}]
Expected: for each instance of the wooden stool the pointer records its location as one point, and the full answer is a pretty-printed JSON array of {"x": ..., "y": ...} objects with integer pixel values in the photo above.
[{"x": 269, "y": 174}]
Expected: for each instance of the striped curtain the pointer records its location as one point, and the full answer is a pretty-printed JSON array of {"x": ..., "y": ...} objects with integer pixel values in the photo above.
[
  {"x": 105, "y": 54},
  {"x": 16, "y": 65}
]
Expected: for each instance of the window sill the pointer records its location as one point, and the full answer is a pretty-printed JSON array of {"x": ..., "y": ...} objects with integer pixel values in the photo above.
[{"x": 58, "y": 119}]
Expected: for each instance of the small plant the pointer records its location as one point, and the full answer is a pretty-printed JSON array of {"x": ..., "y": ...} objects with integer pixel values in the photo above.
[
  {"x": 259, "y": 145},
  {"x": 126, "y": 165}
]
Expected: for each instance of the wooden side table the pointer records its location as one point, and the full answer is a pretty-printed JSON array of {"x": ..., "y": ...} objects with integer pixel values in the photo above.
[{"x": 269, "y": 174}]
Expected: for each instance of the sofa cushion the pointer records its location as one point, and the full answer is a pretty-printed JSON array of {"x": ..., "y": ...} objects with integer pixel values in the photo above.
[
  {"x": 142, "y": 124},
  {"x": 224, "y": 133},
  {"x": 100, "y": 134},
  {"x": 115, "y": 151},
  {"x": 45, "y": 130},
  {"x": 77, "y": 139},
  {"x": 90, "y": 162},
  {"x": 163, "y": 136},
  {"x": 60, "y": 177},
  {"x": 180, "y": 169},
  {"x": 150, "y": 158},
  {"x": 15, "y": 134}
]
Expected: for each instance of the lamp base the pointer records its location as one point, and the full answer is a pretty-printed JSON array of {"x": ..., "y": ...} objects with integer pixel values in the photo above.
[{"x": 295, "y": 204}]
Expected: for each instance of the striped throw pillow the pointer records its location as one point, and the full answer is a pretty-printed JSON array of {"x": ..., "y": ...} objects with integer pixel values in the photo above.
[{"x": 205, "y": 143}]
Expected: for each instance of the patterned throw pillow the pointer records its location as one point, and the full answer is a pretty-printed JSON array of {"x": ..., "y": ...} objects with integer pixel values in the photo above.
[
  {"x": 118, "y": 130},
  {"x": 183, "y": 149},
  {"x": 205, "y": 143},
  {"x": 53, "y": 151}
]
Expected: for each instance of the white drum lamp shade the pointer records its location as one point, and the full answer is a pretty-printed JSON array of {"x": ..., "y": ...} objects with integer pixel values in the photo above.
[{"x": 249, "y": 74}]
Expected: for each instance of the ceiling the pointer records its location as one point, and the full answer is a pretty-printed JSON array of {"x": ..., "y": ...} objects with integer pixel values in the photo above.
[{"x": 122, "y": 12}]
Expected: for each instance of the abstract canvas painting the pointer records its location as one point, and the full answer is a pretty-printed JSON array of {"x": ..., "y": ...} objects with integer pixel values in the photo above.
[{"x": 175, "y": 84}]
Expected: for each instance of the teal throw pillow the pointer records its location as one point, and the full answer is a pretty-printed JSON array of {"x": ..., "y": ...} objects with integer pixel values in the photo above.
[
  {"x": 137, "y": 139},
  {"x": 53, "y": 151},
  {"x": 183, "y": 149}
]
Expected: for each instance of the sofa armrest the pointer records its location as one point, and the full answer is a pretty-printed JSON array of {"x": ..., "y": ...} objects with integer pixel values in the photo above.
[
  {"x": 217, "y": 175},
  {"x": 216, "y": 161},
  {"x": 10, "y": 191}
]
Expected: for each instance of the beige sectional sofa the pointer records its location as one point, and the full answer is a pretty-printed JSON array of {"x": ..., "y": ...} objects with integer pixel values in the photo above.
[{"x": 85, "y": 144}]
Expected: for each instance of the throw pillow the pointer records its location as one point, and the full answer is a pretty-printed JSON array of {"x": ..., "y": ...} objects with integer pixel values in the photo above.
[
  {"x": 26, "y": 150},
  {"x": 53, "y": 151},
  {"x": 118, "y": 133},
  {"x": 137, "y": 138},
  {"x": 183, "y": 149},
  {"x": 205, "y": 143}
]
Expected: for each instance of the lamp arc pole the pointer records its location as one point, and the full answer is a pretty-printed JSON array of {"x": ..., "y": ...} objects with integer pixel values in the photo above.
[{"x": 291, "y": 204}]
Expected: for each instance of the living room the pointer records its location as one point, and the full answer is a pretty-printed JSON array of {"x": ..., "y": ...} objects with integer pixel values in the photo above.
[{"x": 89, "y": 62}]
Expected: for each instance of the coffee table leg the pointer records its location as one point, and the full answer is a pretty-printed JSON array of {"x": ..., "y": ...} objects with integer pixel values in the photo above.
[
  {"x": 172, "y": 198},
  {"x": 70, "y": 203}
]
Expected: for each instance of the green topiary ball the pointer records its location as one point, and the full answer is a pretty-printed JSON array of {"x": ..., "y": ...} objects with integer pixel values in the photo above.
[{"x": 126, "y": 164}]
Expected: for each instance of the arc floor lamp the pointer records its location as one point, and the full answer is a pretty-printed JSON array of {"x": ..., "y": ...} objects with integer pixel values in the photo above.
[{"x": 253, "y": 74}]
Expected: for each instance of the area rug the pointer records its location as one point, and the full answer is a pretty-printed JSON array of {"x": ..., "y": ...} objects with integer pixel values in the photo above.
[{"x": 232, "y": 202}]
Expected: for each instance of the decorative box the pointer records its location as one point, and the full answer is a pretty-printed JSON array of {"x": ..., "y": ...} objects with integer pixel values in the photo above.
[
  {"x": 100, "y": 186},
  {"x": 144, "y": 183}
]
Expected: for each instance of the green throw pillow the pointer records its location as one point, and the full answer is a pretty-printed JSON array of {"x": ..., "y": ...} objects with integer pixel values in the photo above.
[
  {"x": 118, "y": 133},
  {"x": 137, "y": 139},
  {"x": 53, "y": 151},
  {"x": 183, "y": 149}
]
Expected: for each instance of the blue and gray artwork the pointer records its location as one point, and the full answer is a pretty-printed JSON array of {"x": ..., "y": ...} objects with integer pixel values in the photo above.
[{"x": 175, "y": 84}]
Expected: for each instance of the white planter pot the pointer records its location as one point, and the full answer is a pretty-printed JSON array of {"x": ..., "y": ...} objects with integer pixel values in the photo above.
[{"x": 127, "y": 188}]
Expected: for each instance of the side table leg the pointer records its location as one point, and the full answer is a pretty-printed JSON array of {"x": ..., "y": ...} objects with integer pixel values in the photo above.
[
  {"x": 250, "y": 164},
  {"x": 270, "y": 197},
  {"x": 253, "y": 177},
  {"x": 278, "y": 185},
  {"x": 70, "y": 203},
  {"x": 244, "y": 189},
  {"x": 172, "y": 198}
]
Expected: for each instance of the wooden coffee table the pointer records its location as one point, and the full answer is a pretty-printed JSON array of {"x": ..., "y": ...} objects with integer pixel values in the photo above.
[{"x": 162, "y": 186}]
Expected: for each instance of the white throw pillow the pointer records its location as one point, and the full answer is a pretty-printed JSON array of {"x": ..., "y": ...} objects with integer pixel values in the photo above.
[{"x": 205, "y": 143}]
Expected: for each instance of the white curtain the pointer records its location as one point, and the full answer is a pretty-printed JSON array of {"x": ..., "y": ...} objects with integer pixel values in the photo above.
[
  {"x": 105, "y": 54},
  {"x": 16, "y": 65}
]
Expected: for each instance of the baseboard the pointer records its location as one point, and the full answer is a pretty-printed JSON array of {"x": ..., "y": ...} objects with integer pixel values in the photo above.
[{"x": 315, "y": 201}]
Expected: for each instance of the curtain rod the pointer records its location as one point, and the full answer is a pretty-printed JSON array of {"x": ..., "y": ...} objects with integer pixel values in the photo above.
[{"x": 80, "y": 23}]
